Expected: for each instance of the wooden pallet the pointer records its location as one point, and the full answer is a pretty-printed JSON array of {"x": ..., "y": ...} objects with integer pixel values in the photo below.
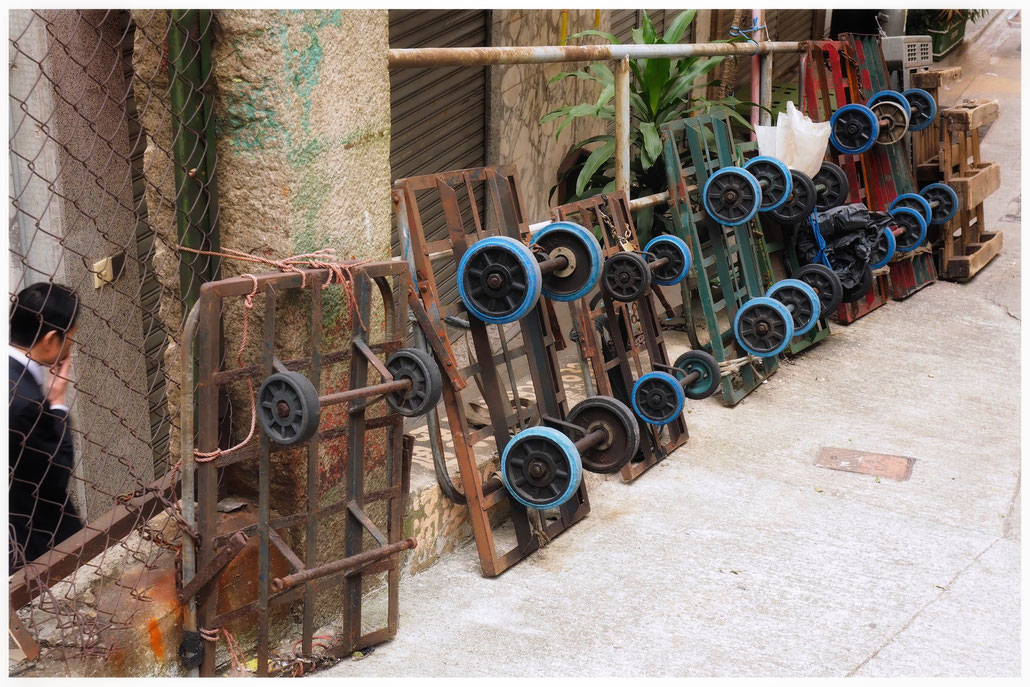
[
  {"x": 965, "y": 246},
  {"x": 926, "y": 144},
  {"x": 912, "y": 272}
]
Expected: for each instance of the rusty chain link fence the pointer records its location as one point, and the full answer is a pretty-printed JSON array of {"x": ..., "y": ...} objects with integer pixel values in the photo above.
[{"x": 112, "y": 169}]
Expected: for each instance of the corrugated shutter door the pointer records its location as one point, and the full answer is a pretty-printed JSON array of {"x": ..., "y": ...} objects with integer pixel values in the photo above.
[
  {"x": 789, "y": 25},
  {"x": 438, "y": 115}
]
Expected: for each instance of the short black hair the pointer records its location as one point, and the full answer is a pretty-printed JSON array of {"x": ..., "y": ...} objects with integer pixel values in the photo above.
[{"x": 41, "y": 308}]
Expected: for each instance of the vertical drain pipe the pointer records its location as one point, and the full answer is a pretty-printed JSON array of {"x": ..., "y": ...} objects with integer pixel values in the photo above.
[
  {"x": 189, "y": 66},
  {"x": 196, "y": 219}
]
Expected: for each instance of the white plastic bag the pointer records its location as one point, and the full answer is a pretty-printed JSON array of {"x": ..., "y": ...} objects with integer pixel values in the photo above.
[{"x": 796, "y": 140}]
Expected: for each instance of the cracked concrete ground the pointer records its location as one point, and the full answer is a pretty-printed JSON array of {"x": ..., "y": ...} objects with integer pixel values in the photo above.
[{"x": 738, "y": 556}]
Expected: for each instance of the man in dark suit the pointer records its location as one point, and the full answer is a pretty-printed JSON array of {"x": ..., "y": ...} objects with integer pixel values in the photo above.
[{"x": 41, "y": 454}]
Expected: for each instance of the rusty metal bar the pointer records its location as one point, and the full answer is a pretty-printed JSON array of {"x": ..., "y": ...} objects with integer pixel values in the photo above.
[
  {"x": 281, "y": 584},
  {"x": 189, "y": 467},
  {"x": 21, "y": 636},
  {"x": 311, "y": 482},
  {"x": 536, "y": 54},
  {"x": 358, "y": 513},
  {"x": 213, "y": 567},
  {"x": 208, "y": 342},
  {"x": 364, "y": 392},
  {"x": 264, "y": 493}
]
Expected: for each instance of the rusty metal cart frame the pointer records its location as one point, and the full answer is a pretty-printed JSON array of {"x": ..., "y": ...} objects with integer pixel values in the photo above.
[
  {"x": 540, "y": 342},
  {"x": 308, "y": 575},
  {"x": 731, "y": 254},
  {"x": 610, "y": 213}
]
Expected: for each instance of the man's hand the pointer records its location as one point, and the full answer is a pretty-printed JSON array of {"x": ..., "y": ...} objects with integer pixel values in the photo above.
[{"x": 58, "y": 391}]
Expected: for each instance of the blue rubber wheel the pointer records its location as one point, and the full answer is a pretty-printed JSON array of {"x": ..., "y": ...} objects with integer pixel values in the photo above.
[
  {"x": 657, "y": 398},
  {"x": 914, "y": 227},
  {"x": 946, "y": 202},
  {"x": 891, "y": 95},
  {"x": 883, "y": 249},
  {"x": 577, "y": 244},
  {"x": 923, "y": 108},
  {"x": 677, "y": 255},
  {"x": 853, "y": 129},
  {"x": 499, "y": 280},
  {"x": 915, "y": 202},
  {"x": 541, "y": 468},
  {"x": 731, "y": 196},
  {"x": 801, "y": 301},
  {"x": 777, "y": 179},
  {"x": 763, "y": 327}
]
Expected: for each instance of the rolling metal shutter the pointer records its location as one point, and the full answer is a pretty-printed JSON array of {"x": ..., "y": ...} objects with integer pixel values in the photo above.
[
  {"x": 438, "y": 115},
  {"x": 790, "y": 25}
]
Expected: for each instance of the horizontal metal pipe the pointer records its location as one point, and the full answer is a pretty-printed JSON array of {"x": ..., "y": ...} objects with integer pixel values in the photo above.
[
  {"x": 280, "y": 584},
  {"x": 690, "y": 379},
  {"x": 649, "y": 201},
  {"x": 364, "y": 392},
  {"x": 535, "y": 54},
  {"x": 591, "y": 440},
  {"x": 557, "y": 263}
]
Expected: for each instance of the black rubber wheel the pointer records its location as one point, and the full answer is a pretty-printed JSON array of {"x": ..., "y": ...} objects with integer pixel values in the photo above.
[
  {"x": 288, "y": 408},
  {"x": 626, "y": 276},
  {"x": 799, "y": 203},
  {"x": 826, "y": 284},
  {"x": 704, "y": 363},
  {"x": 859, "y": 291},
  {"x": 426, "y": 382},
  {"x": 620, "y": 425},
  {"x": 836, "y": 190}
]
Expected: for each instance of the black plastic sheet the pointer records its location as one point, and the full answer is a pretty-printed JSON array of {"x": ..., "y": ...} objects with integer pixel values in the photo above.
[{"x": 849, "y": 232}]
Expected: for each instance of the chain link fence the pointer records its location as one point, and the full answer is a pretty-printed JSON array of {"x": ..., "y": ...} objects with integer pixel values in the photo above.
[{"x": 111, "y": 170}]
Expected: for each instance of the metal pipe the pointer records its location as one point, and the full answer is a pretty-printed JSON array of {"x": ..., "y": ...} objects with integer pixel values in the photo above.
[
  {"x": 756, "y": 72},
  {"x": 364, "y": 392},
  {"x": 591, "y": 440},
  {"x": 189, "y": 513},
  {"x": 536, "y": 54},
  {"x": 649, "y": 201},
  {"x": 765, "y": 95},
  {"x": 622, "y": 126},
  {"x": 281, "y": 584},
  {"x": 559, "y": 262}
]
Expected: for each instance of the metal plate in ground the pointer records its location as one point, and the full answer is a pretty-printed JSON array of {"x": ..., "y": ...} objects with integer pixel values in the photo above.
[{"x": 898, "y": 468}]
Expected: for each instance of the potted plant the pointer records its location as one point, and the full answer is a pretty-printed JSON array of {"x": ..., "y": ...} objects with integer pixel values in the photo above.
[
  {"x": 946, "y": 28},
  {"x": 660, "y": 91}
]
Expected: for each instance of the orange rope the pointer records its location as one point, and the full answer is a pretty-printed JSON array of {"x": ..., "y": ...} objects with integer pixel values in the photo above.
[
  {"x": 326, "y": 258},
  {"x": 236, "y": 657},
  {"x": 248, "y": 305}
]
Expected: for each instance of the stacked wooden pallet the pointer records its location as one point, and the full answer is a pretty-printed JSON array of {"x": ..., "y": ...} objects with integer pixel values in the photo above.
[
  {"x": 965, "y": 245},
  {"x": 948, "y": 151}
]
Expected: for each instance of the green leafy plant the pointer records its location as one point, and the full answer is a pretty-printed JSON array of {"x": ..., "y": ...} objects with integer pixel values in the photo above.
[
  {"x": 918, "y": 22},
  {"x": 660, "y": 92}
]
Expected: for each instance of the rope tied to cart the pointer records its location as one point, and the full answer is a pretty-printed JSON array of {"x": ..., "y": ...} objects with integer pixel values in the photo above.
[
  {"x": 340, "y": 272},
  {"x": 236, "y": 657}
]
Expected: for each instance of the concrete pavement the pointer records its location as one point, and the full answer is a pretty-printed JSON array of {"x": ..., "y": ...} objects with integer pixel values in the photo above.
[{"x": 738, "y": 556}]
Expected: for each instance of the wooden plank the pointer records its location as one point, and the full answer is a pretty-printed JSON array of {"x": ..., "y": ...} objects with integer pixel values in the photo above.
[
  {"x": 935, "y": 78},
  {"x": 970, "y": 115},
  {"x": 106, "y": 531},
  {"x": 973, "y": 189}
]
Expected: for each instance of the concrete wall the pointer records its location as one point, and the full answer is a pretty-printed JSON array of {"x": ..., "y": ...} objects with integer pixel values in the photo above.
[
  {"x": 302, "y": 121},
  {"x": 520, "y": 96},
  {"x": 72, "y": 181}
]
